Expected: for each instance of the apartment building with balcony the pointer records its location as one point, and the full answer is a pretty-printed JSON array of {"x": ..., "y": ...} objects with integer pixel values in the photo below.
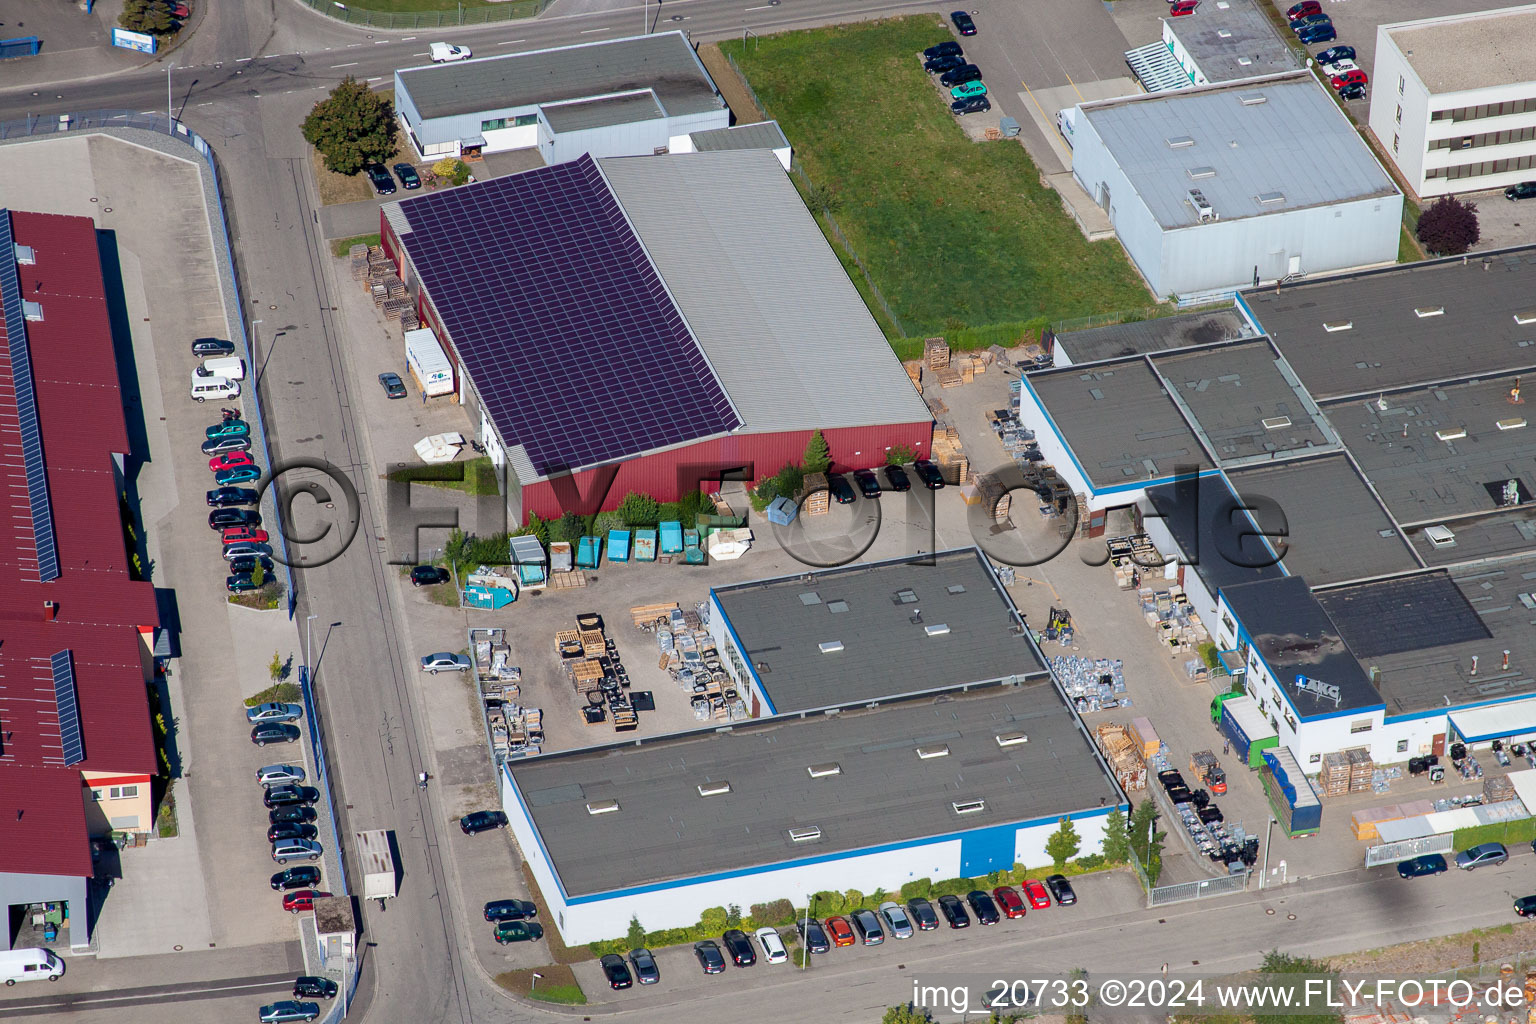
[{"x": 1454, "y": 100}]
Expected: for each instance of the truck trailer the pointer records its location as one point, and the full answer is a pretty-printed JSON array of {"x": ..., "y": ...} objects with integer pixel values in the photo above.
[
  {"x": 377, "y": 861},
  {"x": 1248, "y": 730}
]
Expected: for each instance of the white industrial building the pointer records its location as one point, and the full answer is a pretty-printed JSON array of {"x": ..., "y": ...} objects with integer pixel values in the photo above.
[
  {"x": 622, "y": 97},
  {"x": 872, "y": 789},
  {"x": 1215, "y": 188},
  {"x": 1221, "y": 41},
  {"x": 1454, "y": 99},
  {"x": 761, "y": 135}
]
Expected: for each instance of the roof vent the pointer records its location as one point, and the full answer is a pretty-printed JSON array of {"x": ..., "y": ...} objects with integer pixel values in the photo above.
[
  {"x": 933, "y": 750},
  {"x": 905, "y": 597},
  {"x": 1422, "y": 311},
  {"x": 602, "y": 807},
  {"x": 1252, "y": 99},
  {"x": 25, "y": 255},
  {"x": 837, "y": 607},
  {"x": 1202, "y": 205},
  {"x": 32, "y": 310},
  {"x": 1224, "y": 33},
  {"x": 1440, "y": 536},
  {"x": 805, "y": 835},
  {"x": 809, "y": 598},
  {"x": 1451, "y": 434},
  {"x": 1277, "y": 422},
  {"x": 938, "y": 629},
  {"x": 822, "y": 771},
  {"x": 1180, "y": 142},
  {"x": 1243, "y": 62},
  {"x": 1202, "y": 172},
  {"x": 830, "y": 646},
  {"x": 1528, "y": 317},
  {"x": 1334, "y": 326},
  {"x": 1270, "y": 198},
  {"x": 714, "y": 788},
  {"x": 1513, "y": 423},
  {"x": 1011, "y": 739},
  {"x": 968, "y": 806}
]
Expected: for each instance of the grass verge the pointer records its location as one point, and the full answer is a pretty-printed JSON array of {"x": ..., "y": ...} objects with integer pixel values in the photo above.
[
  {"x": 411, "y": 6},
  {"x": 341, "y": 246},
  {"x": 265, "y": 599},
  {"x": 557, "y": 984},
  {"x": 166, "y": 826},
  {"x": 473, "y": 476},
  {"x": 953, "y": 232}
]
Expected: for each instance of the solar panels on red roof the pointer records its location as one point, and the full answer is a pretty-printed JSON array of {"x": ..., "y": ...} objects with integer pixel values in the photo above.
[{"x": 575, "y": 347}]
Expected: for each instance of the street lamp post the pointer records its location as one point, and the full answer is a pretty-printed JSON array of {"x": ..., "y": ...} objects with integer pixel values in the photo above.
[
  {"x": 1268, "y": 831},
  {"x": 307, "y": 635},
  {"x": 535, "y": 982},
  {"x": 805, "y": 933},
  {"x": 170, "y": 104}
]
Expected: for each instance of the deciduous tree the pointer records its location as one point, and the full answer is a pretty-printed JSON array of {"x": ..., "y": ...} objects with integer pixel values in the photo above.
[
  {"x": 1449, "y": 227},
  {"x": 352, "y": 128}
]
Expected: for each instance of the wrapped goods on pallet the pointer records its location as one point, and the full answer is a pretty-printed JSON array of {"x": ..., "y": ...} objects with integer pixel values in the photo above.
[
  {"x": 1497, "y": 788},
  {"x": 1146, "y": 737}
]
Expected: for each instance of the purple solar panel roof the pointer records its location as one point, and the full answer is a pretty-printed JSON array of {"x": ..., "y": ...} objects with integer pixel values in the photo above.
[{"x": 576, "y": 349}]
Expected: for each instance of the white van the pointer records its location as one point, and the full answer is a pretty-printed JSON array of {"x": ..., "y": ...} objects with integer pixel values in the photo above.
[
  {"x": 442, "y": 53},
  {"x": 228, "y": 367},
  {"x": 204, "y": 388},
  {"x": 30, "y": 965}
]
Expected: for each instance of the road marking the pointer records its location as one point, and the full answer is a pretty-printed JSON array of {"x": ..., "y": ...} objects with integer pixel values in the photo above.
[
  {"x": 764, "y": 7},
  {"x": 586, "y": 31},
  {"x": 375, "y": 78},
  {"x": 207, "y": 103},
  {"x": 420, "y": 55},
  {"x": 381, "y": 42},
  {"x": 1074, "y": 89},
  {"x": 409, "y": 39},
  {"x": 510, "y": 42},
  {"x": 353, "y": 64},
  {"x": 242, "y": 60}
]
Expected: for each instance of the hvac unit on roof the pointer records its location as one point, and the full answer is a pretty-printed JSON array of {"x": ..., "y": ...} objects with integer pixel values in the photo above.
[
  {"x": 822, "y": 771},
  {"x": 933, "y": 750},
  {"x": 1202, "y": 205},
  {"x": 714, "y": 788},
  {"x": 805, "y": 835},
  {"x": 602, "y": 806},
  {"x": 1451, "y": 433}
]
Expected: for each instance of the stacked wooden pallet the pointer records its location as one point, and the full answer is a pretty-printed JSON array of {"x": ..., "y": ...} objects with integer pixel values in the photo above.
[
  {"x": 394, "y": 309},
  {"x": 817, "y": 496},
  {"x": 995, "y": 498},
  {"x": 1361, "y": 769},
  {"x": 593, "y": 644},
  {"x": 1497, "y": 789},
  {"x": 645, "y": 614},
  {"x": 936, "y": 353},
  {"x": 949, "y": 377},
  {"x": 936, "y": 406},
  {"x": 1083, "y": 516},
  {"x": 1120, "y": 750},
  {"x": 914, "y": 368},
  {"x": 409, "y": 320},
  {"x": 358, "y": 257},
  {"x": 567, "y": 580},
  {"x": 948, "y": 453},
  {"x": 1333, "y": 780}
]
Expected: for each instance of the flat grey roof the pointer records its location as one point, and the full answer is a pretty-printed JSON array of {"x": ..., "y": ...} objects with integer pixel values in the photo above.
[
  {"x": 762, "y": 291},
  {"x": 1336, "y": 529},
  {"x": 1231, "y": 40},
  {"x": 762, "y": 135},
  {"x": 1479, "y": 50},
  {"x": 665, "y": 831},
  {"x": 1244, "y": 401},
  {"x": 1503, "y": 533},
  {"x": 664, "y": 62},
  {"x": 1133, "y": 339},
  {"x": 870, "y": 609},
  {"x": 1210, "y": 525},
  {"x": 1423, "y": 470},
  {"x": 1422, "y": 633},
  {"x": 1119, "y": 422},
  {"x": 1254, "y": 148},
  {"x": 1296, "y": 636},
  {"x": 599, "y": 113},
  {"x": 1389, "y": 345}
]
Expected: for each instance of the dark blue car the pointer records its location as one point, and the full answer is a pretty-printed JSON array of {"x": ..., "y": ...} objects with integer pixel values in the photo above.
[{"x": 1429, "y": 864}]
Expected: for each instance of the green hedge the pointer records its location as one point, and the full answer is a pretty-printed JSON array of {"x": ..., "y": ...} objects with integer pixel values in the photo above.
[
  {"x": 777, "y": 914},
  {"x": 1521, "y": 831},
  {"x": 969, "y": 339}
]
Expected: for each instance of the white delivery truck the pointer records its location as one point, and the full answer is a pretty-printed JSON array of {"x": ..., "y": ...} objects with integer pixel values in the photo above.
[
  {"x": 30, "y": 965},
  {"x": 428, "y": 363},
  {"x": 442, "y": 53},
  {"x": 377, "y": 864}
]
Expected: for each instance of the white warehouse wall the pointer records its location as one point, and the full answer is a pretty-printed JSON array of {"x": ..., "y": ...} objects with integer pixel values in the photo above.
[
  {"x": 1395, "y": 84},
  {"x": 1138, "y": 231}
]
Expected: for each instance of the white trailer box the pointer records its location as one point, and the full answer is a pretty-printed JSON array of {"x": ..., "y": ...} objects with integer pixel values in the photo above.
[
  {"x": 428, "y": 362},
  {"x": 377, "y": 864}
]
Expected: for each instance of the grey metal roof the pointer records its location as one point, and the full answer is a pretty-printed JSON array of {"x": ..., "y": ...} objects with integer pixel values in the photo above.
[
  {"x": 1500, "y": 534},
  {"x": 1335, "y": 528},
  {"x": 1387, "y": 343},
  {"x": 1245, "y": 402},
  {"x": 664, "y": 830},
  {"x": 664, "y": 62},
  {"x": 1295, "y": 636},
  {"x": 608, "y": 110},
  {"x": 1231, "y": 40},
  {"x": 1406, "y": 443},
  {"x": 763, "y": 292},
  {"x": 1156, "y": 68},
  {"x": 1296, "y": 144},
  {"x": 1421, "y": 634},
  {"x": 762, "y": 135},
  {"x": 1156, "y": 335},
  {"x": 1119, "y": 422},
  {"x": 1214, "y": 530},
  {"x": 887, "y": 650}
]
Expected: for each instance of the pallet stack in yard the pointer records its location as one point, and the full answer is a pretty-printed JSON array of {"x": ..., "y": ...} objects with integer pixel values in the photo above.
[
  {"x": 993, "y": 497},
  {"x": 1119, "y": 749},
  {"x": 1360, "y": 769},
  {"x": 936, "y": 353},
  {"x": 1498, "y": 788},
  {"x": 1333, "y": 779},
  {"x": 948, "y": 454},
  {"x": 817, "y": 496},
  {"x": 914, "y": 368}
]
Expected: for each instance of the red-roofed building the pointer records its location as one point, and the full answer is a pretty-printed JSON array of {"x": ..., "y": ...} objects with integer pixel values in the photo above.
[{"x": 77, "y": 631}]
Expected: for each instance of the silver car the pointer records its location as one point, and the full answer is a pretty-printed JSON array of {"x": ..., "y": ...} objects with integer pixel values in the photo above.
[
  {"x": 444, "y": 662},
  {"x": 274, "y": 711},
  {"x": 285, "y": 850},
  {"x": 896, "y": 920},
  {"x": 280, "y": 775}
]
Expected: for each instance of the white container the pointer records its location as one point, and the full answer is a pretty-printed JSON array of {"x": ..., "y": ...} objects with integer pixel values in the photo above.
[{"x": 428, "y": 363}]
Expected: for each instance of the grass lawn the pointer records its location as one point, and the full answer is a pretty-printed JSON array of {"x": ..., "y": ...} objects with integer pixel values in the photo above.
[
  {"x": 558, "y": 985},
  {"x": 955, "y": 233},
  {"x": 341, "y": 246},
  {"x": 473, "y": 476}
]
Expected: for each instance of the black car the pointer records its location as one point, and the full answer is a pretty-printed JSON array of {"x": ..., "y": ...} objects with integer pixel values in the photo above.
[
  {"x": 813, "y": 935},
  {"x": 510, "y": 910},
  {"x": 1525, "y": 906},
  {"x": 247, "y": 565},
  {"x": 1061, "y": 889},
  {"x": 948, "y": 48},
  {"x": 840, "y": 488},
  {"x": 616, "y": 971},
  {"x": 1353, "y": 91},
  {"x": 383, "y": 184},
  {"x": 740, "y": 947},
  {"x": 1334, "y": 54},
  {"x": 226, "y": 517},
  {"x": 309, "y": 985},
  {"x": 963, "y": 23},
  {"x": 304, "y": 877},
  {"x": 408, "y": 176},
  {"x": 896, "y": 479},
  {"x": 1428, "y": 864},
  {"x": 960, "y": 75},
  {"x": 223, "y": 497},
  {"x": 240, "y": 583},
  {"x": 929, "y": 474},
  {"x": 274, "y": 732},
  {"x": 922, "y": 915},
  {"x": 288, "y": 796},
  {"x": 291, "y": 830},
  {"x": 482, "y": 821},
  {"x": 285, "y": 1010},
  {"x": 869, "y": 484},
  {"x": 222, "y": 445},
  {"x": 954, "y": 912},
  {"x": 867, "y": 924},
  {"x": 393, "y": 386},
  {"x": 939, "y": 65},
  {"x": 296, "y": 814},
  {"x": 1524, "y": 190},
  {"x": 213, "y": 347},
  {"x": 428, "y": 575},
  {"x": 970, "y": 105},
  {"x": 709, "y": 956},
  {"x": 643, "y": 963},
  {"x": 983, "y": 906}
]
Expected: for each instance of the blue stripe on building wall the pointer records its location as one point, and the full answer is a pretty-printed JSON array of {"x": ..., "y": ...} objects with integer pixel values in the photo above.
[{"x": 987, "y": 850}]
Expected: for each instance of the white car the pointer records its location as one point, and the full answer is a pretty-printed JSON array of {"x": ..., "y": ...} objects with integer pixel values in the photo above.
[
  {"x": 442, "y": 53},
  {"x": 1338, "y": 68},
  {"x": 773, "y": 946},
  {"x": 444, "y": 662},
  {"x": 896, "y": 920}
]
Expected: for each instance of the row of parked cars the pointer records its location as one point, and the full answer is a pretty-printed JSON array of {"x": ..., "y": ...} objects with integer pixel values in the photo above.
[
  {"x": 896, "y": 479},
  {"x": 1311, "y": 25},
  {"x": 1481, "y": 855},
  {"x": 967, "y": 92}
]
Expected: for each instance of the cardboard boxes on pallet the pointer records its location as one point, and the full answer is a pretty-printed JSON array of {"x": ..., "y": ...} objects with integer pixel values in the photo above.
[
  {"x": 1146, "y": 737},
  {"x": 1361, "y": 768}
]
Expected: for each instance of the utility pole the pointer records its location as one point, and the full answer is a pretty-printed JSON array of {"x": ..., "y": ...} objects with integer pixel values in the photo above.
[{"x": 170, "y": 104}]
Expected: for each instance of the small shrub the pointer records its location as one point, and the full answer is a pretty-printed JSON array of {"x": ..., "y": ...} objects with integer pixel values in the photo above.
[
  {"x": 952, "y": 887},
  {"x": 774, "y": 914},
  {"x": 1091, "y": 861},
  {"x": 713, "y": 920},
  {"x": 733, "y": 916},
  {"x": 275, "y": 668},
  {"x": 640, "y": 509},
  {"x": 853, "y": 899},
  {"x": 917, "y": 887},
  {"x": 606, "y": 521},
  {"x": 284, "y": 693},
  {"x": 900, "y": 455}
]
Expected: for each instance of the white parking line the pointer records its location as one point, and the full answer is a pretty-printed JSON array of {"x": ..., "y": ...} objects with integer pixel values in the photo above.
[
  {"x": 586, "y": 31},
  {"x": 375, "y": 78},
  {"x": 409, "y": 39},
  {"x": 351, "y": 65},
  {"x": 242, "y": 60},
  {"x": 510, "y": 42}
]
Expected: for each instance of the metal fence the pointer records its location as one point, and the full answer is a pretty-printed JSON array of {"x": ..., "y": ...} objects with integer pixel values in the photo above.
[
  {"x": 1493, "y": 968},
  {"x": 511, "y": 11},
  {"x": 1391, "y": 853},
  {"x": 1183, "y": 892},
  {"x": 747, "y": 85}
]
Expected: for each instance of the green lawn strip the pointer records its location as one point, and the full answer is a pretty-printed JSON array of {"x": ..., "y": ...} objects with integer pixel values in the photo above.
[
  {"x": 555, "y": 984},
  {"x": 953, "y": 232},
  {"x": 474, "y": 476},
  {"x": 409, "y": 6},
  {"x": 341, "y": 246}
]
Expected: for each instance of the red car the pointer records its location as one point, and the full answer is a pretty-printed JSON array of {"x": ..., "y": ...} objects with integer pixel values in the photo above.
[
  {"x": 301, "y": 900},
  {"x": 1179, "y": 8},
  {"x": 1355, "y": 77},
  {"x": 1302, "y": 9},
  {"x": 230, "y": 460},
  {"x": 840, "y": 931},
  {"x": 1035, "y": 892},
  {"x": 1008, "y": 901},
  {"x": 245, "y": 535}
]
